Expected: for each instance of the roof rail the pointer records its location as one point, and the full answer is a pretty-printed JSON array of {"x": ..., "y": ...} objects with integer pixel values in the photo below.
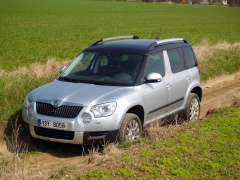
[
  {"x": 115, "y": 38},
  {"x": 164, "y": 41},
  {"x": 171, "y": 40}
]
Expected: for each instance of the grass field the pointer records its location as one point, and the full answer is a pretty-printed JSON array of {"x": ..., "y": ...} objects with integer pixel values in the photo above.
[
  {"x": 36, "y": 37},
  {"x": 33, "y": 31}
]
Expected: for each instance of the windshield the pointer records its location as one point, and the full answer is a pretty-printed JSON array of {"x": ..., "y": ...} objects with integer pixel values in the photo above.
[{"x": 103, "y": 68}]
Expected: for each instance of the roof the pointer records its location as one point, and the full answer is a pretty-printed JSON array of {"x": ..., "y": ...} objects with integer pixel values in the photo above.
[{"x": 130, "y": 46}]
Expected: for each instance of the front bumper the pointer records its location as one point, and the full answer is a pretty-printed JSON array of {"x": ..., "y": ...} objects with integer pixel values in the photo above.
[
  {"x": 71, "y": 137},
  {"x": 99, "y": 131}
]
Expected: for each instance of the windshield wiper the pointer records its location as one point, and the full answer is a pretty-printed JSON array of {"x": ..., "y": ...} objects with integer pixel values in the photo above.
[
  {"x": 86, "y": 81},
  {"x": 100, "y": 83},
  {"x": 67, "y": 79}
]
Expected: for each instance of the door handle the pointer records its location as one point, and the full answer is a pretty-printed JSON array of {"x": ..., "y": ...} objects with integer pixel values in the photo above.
[{"x": 168, "y": 85}]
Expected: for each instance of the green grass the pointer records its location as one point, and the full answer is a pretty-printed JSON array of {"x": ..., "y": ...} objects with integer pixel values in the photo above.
[
  {"x": 33, "y": 31},
  {"x": 207, "y": 149},
  {"x": 222, "y": 62},
  {"x": 12, "y": 93}
]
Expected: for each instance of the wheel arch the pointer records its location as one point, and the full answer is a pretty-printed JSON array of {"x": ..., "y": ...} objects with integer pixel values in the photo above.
[
  {"x": 139, "y": 111},
  {"x": 197, "y": 90}
]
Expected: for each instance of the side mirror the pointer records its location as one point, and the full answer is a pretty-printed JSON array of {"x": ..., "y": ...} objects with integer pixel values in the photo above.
[
  {"x": 62, "y": 68},
  {"x": 154, "y": 77}
]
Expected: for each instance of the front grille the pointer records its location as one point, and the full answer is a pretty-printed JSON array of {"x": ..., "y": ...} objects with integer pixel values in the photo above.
[
  {"x": 61, "y": 111},
  {"x": 53, "y": 133}
]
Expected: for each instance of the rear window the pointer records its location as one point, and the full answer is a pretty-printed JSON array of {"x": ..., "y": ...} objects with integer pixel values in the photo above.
[{"x": 190, "y": 60}]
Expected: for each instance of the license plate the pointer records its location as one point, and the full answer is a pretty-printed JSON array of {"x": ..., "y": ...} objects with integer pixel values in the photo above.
[{"x": 52, "y": 124}]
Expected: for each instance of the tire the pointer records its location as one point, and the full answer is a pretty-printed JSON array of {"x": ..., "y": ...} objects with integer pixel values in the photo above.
[
  {"x": 192, "y": 110},
  {"x": 131, "y": 128}
]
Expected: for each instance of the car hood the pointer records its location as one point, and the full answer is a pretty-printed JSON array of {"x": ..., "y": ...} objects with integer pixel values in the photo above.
[{"x": 78, "y": 93}]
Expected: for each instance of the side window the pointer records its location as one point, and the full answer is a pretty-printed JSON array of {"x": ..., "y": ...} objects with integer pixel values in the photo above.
[
  {"x": 102, "y": 60},
  {"x": 176, "y": 60},
  {"x": 190, "y": 60},
  {"x": 155, "y": 63}
]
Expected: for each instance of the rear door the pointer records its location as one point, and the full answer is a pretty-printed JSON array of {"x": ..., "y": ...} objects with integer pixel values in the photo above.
[
  {"x": 191, "y": 63},
  {"x": 180, "y": 79}
]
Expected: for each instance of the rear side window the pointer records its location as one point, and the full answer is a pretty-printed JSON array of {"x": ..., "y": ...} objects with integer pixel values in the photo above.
[
  {"x": 189, "y": 57},
  {"x": 176, "y": 60}
]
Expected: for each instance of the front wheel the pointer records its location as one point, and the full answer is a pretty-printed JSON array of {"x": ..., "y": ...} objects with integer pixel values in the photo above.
[
  {"x": 192, "y": 110},
  {"x": 131, "y": 128}
]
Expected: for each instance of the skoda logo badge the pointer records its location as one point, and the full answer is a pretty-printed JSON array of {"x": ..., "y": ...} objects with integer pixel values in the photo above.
[{"x": 56, "y": 103}]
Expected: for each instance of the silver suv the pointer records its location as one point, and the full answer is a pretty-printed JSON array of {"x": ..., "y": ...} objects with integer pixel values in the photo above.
[{"x": 115, "y": 88}]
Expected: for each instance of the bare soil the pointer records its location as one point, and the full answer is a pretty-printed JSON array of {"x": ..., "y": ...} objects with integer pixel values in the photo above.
[
  {"x": 51, "y": 157},
  {"x": 220, "y": 92}
]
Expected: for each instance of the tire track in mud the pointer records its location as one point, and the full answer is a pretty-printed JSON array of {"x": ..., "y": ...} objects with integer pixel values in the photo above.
[{"x": 219, "y": 97}]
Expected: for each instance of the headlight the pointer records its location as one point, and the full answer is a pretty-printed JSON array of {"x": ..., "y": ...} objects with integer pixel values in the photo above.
[
  {"x": 28, "y": 100},
  {"x": 103, "y": 110}
]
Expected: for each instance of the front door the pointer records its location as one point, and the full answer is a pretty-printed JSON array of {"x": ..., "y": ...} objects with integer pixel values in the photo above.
[{"x": 156, "y": 95}]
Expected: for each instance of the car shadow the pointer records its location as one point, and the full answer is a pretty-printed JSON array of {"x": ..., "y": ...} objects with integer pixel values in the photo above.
[{"x": 19, "y": 140}]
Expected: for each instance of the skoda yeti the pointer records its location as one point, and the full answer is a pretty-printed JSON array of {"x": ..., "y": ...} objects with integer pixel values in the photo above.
[{"x": 115, "y": 88}]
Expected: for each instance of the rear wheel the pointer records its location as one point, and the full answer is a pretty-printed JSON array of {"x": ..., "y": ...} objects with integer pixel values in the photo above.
[
  {"x": 131, "y": 128},
  {"x": 192, "y": 110}
]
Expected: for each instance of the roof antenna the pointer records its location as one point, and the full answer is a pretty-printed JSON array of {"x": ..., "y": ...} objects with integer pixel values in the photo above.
[{"x": 158, "y": 37}]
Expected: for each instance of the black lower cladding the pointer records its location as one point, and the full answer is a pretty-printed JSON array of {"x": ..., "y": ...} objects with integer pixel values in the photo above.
[
  {"x": 25, "y": 126},
  {"x": 53, "y": 133},
  {"x": 101, "y": 137}
]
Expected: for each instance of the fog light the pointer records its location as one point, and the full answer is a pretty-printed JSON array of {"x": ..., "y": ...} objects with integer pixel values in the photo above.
[
  {"x": 30, "y": 111},
  {"x": 86, "y": 118}
]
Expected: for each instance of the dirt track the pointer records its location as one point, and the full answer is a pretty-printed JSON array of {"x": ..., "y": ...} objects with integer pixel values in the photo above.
[
  {"x": 220, "y": 92},
  {"x": 217, "y": 93}
]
